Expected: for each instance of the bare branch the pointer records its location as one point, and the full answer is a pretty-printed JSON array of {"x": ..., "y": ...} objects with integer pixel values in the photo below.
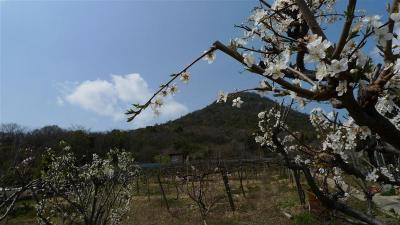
[
  {"x": 310, "y": 19},
  {"x": 346, "y": 28},
  {"x": 388, "y": 53}
]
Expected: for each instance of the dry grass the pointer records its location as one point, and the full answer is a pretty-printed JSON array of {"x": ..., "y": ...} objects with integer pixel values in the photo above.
[
  {"x": 263, "y": 204},
  {"x": 267, "y": 196}
]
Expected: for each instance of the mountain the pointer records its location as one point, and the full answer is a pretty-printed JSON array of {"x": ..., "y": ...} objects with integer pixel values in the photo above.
[{"x": 218, "y": 130}]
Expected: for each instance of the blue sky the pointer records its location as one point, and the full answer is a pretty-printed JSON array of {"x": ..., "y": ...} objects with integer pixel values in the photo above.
[{"x": 59, "y": 57}]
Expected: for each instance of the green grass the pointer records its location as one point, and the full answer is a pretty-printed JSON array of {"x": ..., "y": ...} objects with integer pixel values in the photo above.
[{"x": 304, "y": 218}]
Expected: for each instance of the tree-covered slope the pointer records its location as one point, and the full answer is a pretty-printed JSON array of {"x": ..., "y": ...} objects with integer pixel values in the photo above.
[{"x": 218, "y": 130}]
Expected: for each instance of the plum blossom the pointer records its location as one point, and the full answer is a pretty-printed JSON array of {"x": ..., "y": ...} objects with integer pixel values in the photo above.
[
  {"x": 317, "y": 49},
  {"x": 382, "y": 35},
  {"x": 297, "y": 159},
  {"x": 248, "y": 59},
  {"x": 342, "y": 87},
  {"x": 261, "y": 115},
  {"x": 357, "y": 27},
  {"x": 274, "y": 69},
  {"x": 397, "y": 66},
  {"x": 296, "y": 82},
  {"x": 322, "y": 72},
  {"x": 237, "y": 102},
  {"x": 374, "y": 21},
  {"x": 158, "y": 102},
  {"x": 384, "y": 171},
  {"x": 395, "y": 17},
  {"x": 210, "y": 57},
  {"x": 386, "y": 106},
  {"x": 185, "y": 76},
  {"x": 372, "y": 176},
  {"x": 222, "y": 97},
  {"x": 337, "y": 66},
  {"x": 173, "y": 89},
  {"x": 156, "y": 105},
  {"x": 263, "y": 84},
  {"x": 259, "y": 14},
  {"x": 164, "y": 93},
  {"x": 260, "y": 140},
  {"x": 111, "y": 180},
  {"x": 353, "y": 71},
  {"x": 237, "y": 42},
  {"x": 362, "y": 59}
]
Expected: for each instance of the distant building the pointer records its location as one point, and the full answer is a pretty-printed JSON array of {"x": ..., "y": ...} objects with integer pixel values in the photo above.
[{"x": 177, "y": 157}]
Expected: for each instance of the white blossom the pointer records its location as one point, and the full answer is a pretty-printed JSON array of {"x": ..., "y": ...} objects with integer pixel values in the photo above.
[
  {"x": 239, "y": 42},
  {"x": 261, "y": 115},
  {"x": 259, "y": 14},
  {"x": 397, "y": 66},
  {"x": 173, "y": 89},
  {"x": 156, "y": 105},
  {"x": 185, "y": 76},
  {"x": 374, "y": 21},
  {"x": 237, "y": 102},
  {"x": 248, "y": 59},
  {"x": 322, "y": 72},
  {"x": 158, "y": 102},
  {"x": 382, "y": 35},
  {"x": 274, "y": 69},
  {"x": 296, "y": 82},
  {"x": 263, "y": 84},
  {"x": 386, "y": 173},
  {"x": 297, "y": 159},
  {"x": 342, "y": 87},
  {"x": 395, "y": 17},
  {"x": 372, "y": 176},
  {"x": 337, "y": 66},
  {"x": 210, "y": 57},
  {"x": 222, "y": 97},
  {"x": 362, "y": 59},
  {"x": 316, "y": 49}
]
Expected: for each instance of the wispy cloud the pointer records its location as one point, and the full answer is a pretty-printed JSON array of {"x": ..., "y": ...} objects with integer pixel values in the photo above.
[{"x": 110, "y": 98}]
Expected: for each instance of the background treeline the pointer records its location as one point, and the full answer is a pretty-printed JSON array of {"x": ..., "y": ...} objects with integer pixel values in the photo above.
[{"x": 216, "y": 131}]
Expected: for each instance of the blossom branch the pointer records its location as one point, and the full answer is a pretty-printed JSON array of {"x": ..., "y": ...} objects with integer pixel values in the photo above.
[
  {"x": 346, "y": 28},
  {"x": 388, "y": 53},
  {"x": 140, "y": 108},
  {"x": 310, "y": 19},
  {"x": 301, "y": 92},
  {"x": 331, "y": 203},
  {"x": 372, "y": 119}
]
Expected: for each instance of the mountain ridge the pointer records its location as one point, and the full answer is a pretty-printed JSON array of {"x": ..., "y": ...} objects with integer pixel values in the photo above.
[{"x": 215, "y": 131}]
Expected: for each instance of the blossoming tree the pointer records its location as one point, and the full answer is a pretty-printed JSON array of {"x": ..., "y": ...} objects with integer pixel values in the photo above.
[
  {"x": 98, "y": 192},
  {"x": 294, "y": 57}
]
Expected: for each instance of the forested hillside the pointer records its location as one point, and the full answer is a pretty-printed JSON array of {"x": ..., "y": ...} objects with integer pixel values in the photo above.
[{"x": 218, "y": 130}]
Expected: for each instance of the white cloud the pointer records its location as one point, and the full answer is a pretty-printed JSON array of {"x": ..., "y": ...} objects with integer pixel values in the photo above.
[
  {"x": 60, "y": 101},
  {"x": 112, "y": 98}
]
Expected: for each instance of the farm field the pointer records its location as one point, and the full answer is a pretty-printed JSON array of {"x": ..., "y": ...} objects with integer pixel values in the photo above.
[{"x": 270, "y": 198}]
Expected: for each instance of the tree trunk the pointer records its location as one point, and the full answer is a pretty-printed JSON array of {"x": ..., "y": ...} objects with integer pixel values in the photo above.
[
  {"x": 163, "y": 192},
  {"x": 300, "y": 190},
  {"x": 228, "y": 189}
]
